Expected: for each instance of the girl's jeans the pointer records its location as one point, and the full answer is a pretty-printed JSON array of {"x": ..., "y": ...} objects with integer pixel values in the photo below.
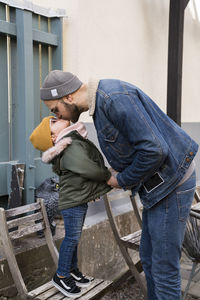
[
  {"x": 73, "y": 220},
  {"x": 162, "y": 236}
]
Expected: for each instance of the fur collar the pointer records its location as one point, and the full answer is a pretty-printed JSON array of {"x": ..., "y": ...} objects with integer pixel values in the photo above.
[
  {"x": 62, "y": 142},
  {"x": 54, "y": 151},
  {"x": 92, "y": 89},
  {"x": 79, "y": 126}
]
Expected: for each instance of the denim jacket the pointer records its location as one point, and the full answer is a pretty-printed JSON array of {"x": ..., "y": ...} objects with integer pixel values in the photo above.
[{"x": 148, "y": 149}]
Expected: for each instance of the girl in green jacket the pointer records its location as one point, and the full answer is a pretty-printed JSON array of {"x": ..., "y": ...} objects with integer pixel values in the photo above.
[{"x": 82, "y": 178}]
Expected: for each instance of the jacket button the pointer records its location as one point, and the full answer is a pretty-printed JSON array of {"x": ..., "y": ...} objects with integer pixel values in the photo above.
[
  {"x": 187, "y": 159},
  {"x": 191, "y": 153}
]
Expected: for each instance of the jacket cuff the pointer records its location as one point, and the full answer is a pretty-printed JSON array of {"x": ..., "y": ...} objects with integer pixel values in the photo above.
[
  {"x": 121, "y": 181},
  {"x": 123, "y": 184}
]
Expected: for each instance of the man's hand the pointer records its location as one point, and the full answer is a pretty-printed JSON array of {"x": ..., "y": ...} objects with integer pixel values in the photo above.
[{"x": 113, "y": 182}]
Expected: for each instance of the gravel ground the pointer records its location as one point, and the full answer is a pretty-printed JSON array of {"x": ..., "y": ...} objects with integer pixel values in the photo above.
[{"x": 129, "y": 290}]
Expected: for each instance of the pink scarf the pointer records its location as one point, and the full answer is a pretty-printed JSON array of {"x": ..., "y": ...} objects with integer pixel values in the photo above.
[{"x": 79, "y": 126}]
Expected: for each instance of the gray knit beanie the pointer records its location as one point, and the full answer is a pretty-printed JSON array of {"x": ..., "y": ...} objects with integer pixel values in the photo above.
[{"x": 58, "y": 84}]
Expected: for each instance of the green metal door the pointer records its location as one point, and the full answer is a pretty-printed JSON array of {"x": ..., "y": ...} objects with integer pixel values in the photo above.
[{"x": 30, "y": 46}]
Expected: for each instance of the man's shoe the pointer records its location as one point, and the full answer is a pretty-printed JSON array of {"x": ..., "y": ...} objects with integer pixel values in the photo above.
[
  {"x": 66, "y": 286},
  {"x": 79, "y": 278}
]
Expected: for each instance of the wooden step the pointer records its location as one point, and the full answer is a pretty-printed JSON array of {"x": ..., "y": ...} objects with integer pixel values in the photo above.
[
  {"x": 48, "y": 291},
  {"x": 132, "y": 240}
]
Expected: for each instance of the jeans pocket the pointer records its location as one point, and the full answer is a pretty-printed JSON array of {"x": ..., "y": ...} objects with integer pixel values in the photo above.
[{"x": 184, "y": 201}]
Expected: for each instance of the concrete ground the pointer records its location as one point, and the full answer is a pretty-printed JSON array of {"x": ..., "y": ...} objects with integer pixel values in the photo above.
[
  {"x": 130, "y": 290},
  {"x": 194, "y": 291}
]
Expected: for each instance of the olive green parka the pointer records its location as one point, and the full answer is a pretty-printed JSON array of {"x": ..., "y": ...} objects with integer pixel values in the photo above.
[{"x": 81, "y": 170}]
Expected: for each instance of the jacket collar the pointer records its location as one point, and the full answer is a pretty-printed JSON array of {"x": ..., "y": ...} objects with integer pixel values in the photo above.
[
  {"x": 54, "y": 151},
  {"x": 92, "y": 89}
]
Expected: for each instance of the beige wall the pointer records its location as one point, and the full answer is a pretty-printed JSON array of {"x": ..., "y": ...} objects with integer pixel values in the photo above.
[{"x": 128, "y": 39}]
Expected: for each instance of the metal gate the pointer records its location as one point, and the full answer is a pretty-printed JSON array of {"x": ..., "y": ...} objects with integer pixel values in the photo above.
[{"x": 30, "y": 46}]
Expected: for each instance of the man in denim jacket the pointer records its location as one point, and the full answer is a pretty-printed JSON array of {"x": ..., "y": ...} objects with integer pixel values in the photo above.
[{"x": 152, "y": 156}]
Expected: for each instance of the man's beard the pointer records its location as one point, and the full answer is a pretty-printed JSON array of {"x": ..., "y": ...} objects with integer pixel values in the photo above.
[{"x": 73, "y": 110}]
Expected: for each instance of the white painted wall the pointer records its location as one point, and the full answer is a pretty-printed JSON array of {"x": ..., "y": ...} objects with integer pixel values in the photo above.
[{"x": 128, "y": 39}]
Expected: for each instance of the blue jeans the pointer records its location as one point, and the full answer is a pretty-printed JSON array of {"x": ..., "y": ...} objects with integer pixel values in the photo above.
[
  {"x": 74, "y": 218},
  {"x": 162, "y": 236}
]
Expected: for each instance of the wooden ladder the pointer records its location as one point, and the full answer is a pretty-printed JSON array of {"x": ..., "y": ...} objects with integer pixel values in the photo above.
[
  {"x": 22, "y": 221},
  {"x": 131, "y": 241}
]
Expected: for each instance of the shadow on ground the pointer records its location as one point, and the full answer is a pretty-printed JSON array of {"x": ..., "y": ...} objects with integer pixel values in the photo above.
[{"x": 129, "y": 290}]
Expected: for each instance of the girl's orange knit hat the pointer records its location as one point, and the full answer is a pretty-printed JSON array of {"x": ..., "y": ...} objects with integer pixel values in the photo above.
[{"x": 41, "y": 135}]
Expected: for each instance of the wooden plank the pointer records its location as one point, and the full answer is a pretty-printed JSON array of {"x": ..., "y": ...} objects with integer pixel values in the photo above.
[
  {"x": 196, "y": 207},
  {"x": 41, "y": 289},
  {"x": 45, "y": 37},
  {"x": 195, "y": 214},
  {"x": 175, "y": 54},
  {"x": 111, "y": 218},
  {"x": 27, "y": 220},
  {"x": 21, "y": 210},
  {"x": 48, "y": 236},
  {"x": 45, "y": 291},
  {"x": 98, "y": 290},
  {"x": 48, "y": 291},
  {"x": 135, "y": 235},
  {"x": 118, "y": 194},
  {"x": 49, "y": 294},
  {"x": 58, "y": 296},
  {"x": 133, "y": 246},
  {"x": 137, "y": 210},
  {"x": 123, "y": 247},
  {"x": 7, "y": 28},
  {"x": 135, "y": 240},
  {"x": 132, "y": 240},
  {"x": 197, "y": 194},
  {"x": 21, "y": 232},
  {"x": 9, "y": 252}
]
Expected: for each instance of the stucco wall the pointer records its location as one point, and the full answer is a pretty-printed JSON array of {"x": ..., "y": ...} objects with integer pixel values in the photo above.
[{"x": 128, "y": 39}]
